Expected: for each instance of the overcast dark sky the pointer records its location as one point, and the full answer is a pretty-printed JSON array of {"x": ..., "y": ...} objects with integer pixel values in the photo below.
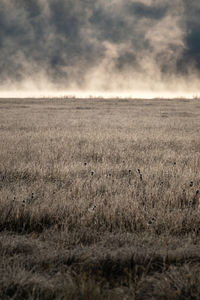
[{"x": 96, "y": 43}]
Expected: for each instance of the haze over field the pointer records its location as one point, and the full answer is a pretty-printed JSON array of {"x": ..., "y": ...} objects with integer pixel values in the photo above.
[
  {"x": 141, "y": 48},
  {"x": 99, "y": 199}
]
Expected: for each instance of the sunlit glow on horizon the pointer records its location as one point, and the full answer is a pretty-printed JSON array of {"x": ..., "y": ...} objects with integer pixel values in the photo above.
[{"x": 98, "y": 94}]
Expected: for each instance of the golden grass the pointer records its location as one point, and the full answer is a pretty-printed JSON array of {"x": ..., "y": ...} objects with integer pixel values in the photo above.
[{"x": 99, "y": 198}]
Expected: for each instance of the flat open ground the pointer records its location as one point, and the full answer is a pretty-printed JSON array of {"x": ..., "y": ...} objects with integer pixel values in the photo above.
[{"x": 99, "y": 199}]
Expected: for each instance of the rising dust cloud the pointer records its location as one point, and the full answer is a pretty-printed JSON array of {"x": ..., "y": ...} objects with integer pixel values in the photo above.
[{"x": 145, "y": 49}]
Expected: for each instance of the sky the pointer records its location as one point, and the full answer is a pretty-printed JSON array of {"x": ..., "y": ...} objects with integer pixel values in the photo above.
[{"x": 122, "y": 47}]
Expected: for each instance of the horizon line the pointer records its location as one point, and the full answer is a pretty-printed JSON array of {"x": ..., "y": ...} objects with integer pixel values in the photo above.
[{"x": 20, "y": 94}]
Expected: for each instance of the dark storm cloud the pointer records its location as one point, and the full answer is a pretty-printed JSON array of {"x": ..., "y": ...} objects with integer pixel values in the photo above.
[
  {"x": 191, "y": 55},
  {"x": 155, "y": 11},
  {"x": 70, "y": 42}
]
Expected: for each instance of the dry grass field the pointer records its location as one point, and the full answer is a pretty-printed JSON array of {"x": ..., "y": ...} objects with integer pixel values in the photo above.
[{"x": 99, "y": 199}]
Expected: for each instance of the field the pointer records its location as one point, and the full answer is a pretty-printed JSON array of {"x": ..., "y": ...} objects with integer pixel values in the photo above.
[{"x": 99, "y": 199}]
